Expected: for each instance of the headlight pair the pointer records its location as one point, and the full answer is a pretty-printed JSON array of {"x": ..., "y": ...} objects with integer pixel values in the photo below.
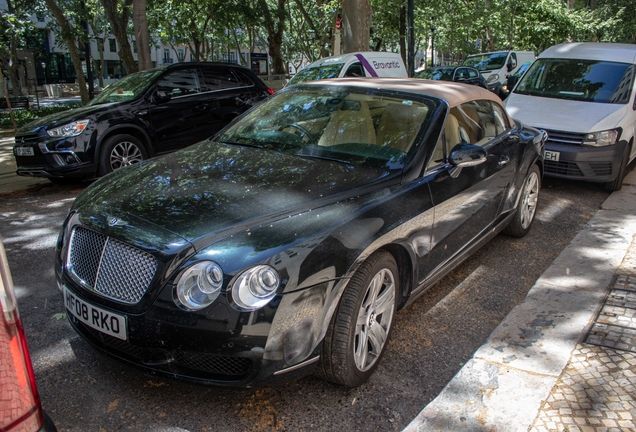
[
  {"x": 68, "y": 130},
  {"x": 200, "y": 284}
]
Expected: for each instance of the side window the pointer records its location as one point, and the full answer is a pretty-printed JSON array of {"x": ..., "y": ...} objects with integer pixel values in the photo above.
[
  {"x": 244, "y": 80},
  {"x": 501, "y": 119},
  {"x": 355, "y": 70},
  {"x": 219, "y": 79},
  {"x": 473, "y": 73},
  {"x": 476, "y": 122},
  {"x": 180, "y": 82}
]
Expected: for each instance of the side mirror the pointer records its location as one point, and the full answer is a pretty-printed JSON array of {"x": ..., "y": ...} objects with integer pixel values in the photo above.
[
  {"x": 467, "y": 155},
  {"x": 162, "y": 96}
]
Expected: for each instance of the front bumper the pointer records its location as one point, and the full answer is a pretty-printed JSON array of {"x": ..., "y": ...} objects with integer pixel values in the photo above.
[
  {"x": 222, "y": 347},
  {"x": 578, "y": 162},
  {"x": 55, "y": 158}
]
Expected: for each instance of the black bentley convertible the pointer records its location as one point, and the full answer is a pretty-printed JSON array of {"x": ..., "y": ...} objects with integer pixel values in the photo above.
[{"x": 286, "y": 244}]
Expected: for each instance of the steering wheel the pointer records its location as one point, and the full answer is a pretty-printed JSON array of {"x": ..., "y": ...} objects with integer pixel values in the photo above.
[{"x": 305, "y": 134}]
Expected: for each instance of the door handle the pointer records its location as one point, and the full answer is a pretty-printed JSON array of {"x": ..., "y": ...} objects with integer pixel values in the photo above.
[
  {"x": 503, "y": 161},
  {"x": 202, "y": 107}
]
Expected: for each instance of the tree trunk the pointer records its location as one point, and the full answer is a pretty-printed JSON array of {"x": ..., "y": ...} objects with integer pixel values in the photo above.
[
  {"x": 71, "y": 44},
  {"x": 119, "y": 25},
  {"x": 275, "y": 27},
  {"x": 356, "y": 19},
  {"x": 11, "y": 63},
  {"x": 141, "y": 34}
]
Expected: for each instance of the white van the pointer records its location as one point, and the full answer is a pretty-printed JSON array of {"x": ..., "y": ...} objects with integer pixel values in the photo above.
[
  {"x": 496, "y": 66},
  {"x": 359, "y": 64},
  {"x": 582, "y": 95}
]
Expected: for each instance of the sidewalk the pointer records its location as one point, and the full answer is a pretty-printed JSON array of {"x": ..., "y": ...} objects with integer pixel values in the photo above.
[{"x": 565, "y": 358}]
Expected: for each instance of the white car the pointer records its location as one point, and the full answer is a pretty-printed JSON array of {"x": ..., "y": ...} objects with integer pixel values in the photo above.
[{"x": 582, "y": 95}]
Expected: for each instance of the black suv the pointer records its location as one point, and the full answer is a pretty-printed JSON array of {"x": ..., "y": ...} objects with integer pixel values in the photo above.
[{"x": 142, "y": 115}]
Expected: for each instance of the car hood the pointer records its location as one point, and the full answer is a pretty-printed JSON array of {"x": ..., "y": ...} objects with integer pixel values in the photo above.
[
  {"x": 61, "y": 118},
  {"x": 213, "y": 189},
  {"x": 564, "y": 115}
]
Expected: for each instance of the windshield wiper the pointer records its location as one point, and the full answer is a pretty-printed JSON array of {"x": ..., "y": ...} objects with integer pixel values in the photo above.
[
  {"x": 346, "y": 162},
  {"x": 245, "y": 144}
]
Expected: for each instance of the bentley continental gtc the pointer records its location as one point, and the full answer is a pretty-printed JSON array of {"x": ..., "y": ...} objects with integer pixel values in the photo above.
[{"x": 285, "y": 245}]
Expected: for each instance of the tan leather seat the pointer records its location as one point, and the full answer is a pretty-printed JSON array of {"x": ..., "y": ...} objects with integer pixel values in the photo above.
[
  {"x": 349, "y": 126},
  {"x": 399, "y": 125},
  {"x": 451, "y": 131}
]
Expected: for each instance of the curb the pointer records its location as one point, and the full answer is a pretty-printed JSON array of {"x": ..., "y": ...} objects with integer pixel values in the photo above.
[{"x": 503, "y": 386}]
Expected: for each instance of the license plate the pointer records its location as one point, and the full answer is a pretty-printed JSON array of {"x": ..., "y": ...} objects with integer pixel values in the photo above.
[
  {"x": 24, "y": 151},
  {"x": 551, "y": 156},
  {"x": 100, "y": 319}
]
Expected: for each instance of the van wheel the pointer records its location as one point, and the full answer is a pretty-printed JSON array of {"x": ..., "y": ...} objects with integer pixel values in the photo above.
[
  {"x": 119, "y": 151},
  {"x": 357, "y": 334},
  {"x": 524, "y": 216},
  {"x": 617, "y": 183}
]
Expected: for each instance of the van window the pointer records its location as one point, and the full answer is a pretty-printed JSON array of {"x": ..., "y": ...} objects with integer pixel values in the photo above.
[
  {"x": 317, "y": 73},
  {"x": 484, "y": 62},
  {"x": 581, "y": 80},
  {"x": 355, "y": 70}
]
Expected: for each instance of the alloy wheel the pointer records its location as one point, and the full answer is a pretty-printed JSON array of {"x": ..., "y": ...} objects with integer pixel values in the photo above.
[
  {"x": 125, "y": 153},
  {"x": 530, "y": 199}
]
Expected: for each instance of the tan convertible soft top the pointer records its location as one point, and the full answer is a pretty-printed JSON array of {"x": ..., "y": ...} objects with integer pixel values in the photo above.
[{"x": 453, "y": 93}]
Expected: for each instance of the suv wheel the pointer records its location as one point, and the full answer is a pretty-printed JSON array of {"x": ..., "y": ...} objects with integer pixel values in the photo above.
[{"x": 119, "y": 151}]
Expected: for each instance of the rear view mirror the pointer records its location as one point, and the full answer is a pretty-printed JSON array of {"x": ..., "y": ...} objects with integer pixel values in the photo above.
[
  {"x": 163, "y": 96},
  {"x": 467, "y": 155}
]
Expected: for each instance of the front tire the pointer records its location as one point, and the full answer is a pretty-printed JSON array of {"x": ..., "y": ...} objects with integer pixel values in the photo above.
[
  {"x": 358, "y": 333},
  {"x": 524, "y": 216},
  {"x": 617, "y": 183},
  {"x": 119, "y": 151}
]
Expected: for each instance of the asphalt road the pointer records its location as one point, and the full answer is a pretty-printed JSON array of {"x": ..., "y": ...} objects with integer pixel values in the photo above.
[{"x": 84, "y": 391}]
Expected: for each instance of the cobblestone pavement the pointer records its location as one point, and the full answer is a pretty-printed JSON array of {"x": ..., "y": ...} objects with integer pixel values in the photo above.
[{"x": 597, "y": 390}]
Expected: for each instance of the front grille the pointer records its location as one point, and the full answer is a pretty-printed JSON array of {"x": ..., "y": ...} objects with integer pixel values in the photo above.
[
  {"x": 27, "y": 138},
  {"x": 563, "y": 168},
  {"x": 110, "y": 267},
  {"x": 560, "y": 137},
  {"x": 216, "y": 365}
]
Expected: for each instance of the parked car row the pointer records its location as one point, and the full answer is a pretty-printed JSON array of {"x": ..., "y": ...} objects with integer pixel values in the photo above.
[{"x": 285, "y": 244}]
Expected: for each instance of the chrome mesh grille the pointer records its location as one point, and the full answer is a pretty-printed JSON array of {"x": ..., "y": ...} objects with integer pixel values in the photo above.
[{"x": 110, "y": 267}]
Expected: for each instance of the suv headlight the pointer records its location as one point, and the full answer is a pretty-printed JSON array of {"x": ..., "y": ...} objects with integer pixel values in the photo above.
[
  {"x": 199, "y": 285},
  {"x": 255, "y": 287},
  {"x": 69, "y": 130},
  {"x": 492, "y": 78},
  {"x": 600, "y": 139}
]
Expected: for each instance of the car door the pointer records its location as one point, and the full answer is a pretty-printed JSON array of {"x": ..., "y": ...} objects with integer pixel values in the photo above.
[
  {"x": 182, "y": 120},
  {"x": 228, "y": 94},
  {"x": 467, "y": 200}
]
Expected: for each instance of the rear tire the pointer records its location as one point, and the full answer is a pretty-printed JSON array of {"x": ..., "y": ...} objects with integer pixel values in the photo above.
[
  {"x": 617, "y": 183},
  {"x": 119, "y": 151},
  {"x": 524, "y": 216},
  {"x": 358, "y": 332}
]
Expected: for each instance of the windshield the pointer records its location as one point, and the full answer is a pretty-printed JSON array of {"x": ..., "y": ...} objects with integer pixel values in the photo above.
[
  {"x": 484, "y": 62},
  {"x": 335, "y": 123},
  {"x": 583, "y": 80},
  {"x": 444, "y": 74},
  {"x": 317, "y": 73},
  {"x": 128, "y": 88}
]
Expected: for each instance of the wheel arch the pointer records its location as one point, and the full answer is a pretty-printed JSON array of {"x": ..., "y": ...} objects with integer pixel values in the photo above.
[
  {"x": 133, "y": 130},
  {"x": 406, "y": 271}
]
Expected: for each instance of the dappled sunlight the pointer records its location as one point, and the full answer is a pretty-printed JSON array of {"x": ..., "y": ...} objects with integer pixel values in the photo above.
[
  {"x": 34, "y": 239},
  {"x": 52, "y": 356}
]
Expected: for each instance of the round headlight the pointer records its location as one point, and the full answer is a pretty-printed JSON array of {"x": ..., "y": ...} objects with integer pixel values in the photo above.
[
  {"x": 199, "y": 285},
  {"x": 492, "y": 78},
  {"x": 255, "y": 287}
]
